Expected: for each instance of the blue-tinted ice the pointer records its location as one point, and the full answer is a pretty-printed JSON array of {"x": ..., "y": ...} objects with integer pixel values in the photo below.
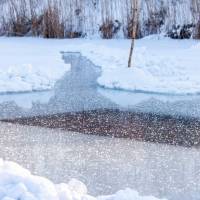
[{"x": 78, "y": 91}]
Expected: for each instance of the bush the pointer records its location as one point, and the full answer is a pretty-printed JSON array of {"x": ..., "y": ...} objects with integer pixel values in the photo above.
[
  {"x": 197, "y": 31},
  {"x": 47, "y": 23},
  {"x": 73, "y": 34},
  {"x": 20, "y": 26},
  {"x": 109, "y": 29},
  {"x": 155, "y": 21},
  {"x": 181, "y": 32},
  {"x": 36, "y": 25},
  {"x": 129, "y": 31},
  {"x": 53, "y": 27}
]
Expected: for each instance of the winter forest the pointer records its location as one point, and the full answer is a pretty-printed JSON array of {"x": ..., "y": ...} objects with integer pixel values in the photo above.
[{"x": 99, "y": 18}]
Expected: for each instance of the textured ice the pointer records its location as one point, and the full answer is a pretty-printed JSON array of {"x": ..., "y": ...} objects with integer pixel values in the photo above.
[{"x": 106, "y": 165}]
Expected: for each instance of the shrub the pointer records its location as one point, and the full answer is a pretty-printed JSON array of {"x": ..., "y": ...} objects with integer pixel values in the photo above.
[
  {"x": 36, "y": 25},
  {"x": 53, "y": 27},
  {"x": 197, "y": 31},
  {"x": 181, "y": 32},
  {"x": 155, "y": 21},
  {"x": 73, "y": 34},
  {"x": 19, "y": 26},
  {"x": 109, "y": 29},
  {"x": 128, "y": 33}
]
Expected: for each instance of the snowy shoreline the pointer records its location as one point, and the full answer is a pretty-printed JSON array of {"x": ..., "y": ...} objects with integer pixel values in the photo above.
[
  {"x": 160, "y": 65},
  {"x": 28, "y": 66}
]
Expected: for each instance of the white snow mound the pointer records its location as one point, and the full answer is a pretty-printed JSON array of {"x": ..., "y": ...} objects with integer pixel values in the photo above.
[
  {"x": 160, "y": 65},
  {"x": 18, "y": 183},
  {"x": 28, "y": 64},
  {"x": 158, "y": 73}
]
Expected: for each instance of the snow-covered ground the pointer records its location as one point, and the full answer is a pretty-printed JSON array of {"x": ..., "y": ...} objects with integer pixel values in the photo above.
[
  {"x": 28, "y": 65},
  {"x": 160, "y": 65},
  {"x": 18, "y": 183}
]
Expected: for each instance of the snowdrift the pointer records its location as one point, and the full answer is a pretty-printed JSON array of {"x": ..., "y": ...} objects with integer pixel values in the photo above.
[
  {"x": 160, "y": 65},
  {"x": 18, "y": 183},
  {"x": 29, "y": 65},
  {"x": 163, "y": 73}
]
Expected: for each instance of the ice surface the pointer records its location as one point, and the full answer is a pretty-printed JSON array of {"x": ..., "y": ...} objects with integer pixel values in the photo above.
[{"x": 106, "y": 165}]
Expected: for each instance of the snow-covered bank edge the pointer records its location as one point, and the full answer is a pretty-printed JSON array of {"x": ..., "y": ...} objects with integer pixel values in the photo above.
[
  {"x": 160, "y": 65},
  {"x": 171, "y": 72},
  {"x": 29, "y": 65},
  {"x": 18, "y": 183}
]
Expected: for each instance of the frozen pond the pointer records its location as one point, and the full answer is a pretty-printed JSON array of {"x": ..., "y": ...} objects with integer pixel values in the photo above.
[
  {"x": 78, "y": 91},
  {"x": 105, "y": 165}
]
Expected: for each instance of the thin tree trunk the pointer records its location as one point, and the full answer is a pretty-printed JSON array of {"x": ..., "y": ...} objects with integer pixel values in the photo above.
[{"x": 135, "y": 23}]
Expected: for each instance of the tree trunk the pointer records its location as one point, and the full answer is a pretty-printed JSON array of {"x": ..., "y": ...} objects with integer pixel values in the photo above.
[{"x": 135, "y": 23}]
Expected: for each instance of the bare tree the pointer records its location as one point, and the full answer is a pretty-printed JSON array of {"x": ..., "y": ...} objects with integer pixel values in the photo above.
[
  {"x": 196, "y": 13},
  {"x": 134, "y": 31}
]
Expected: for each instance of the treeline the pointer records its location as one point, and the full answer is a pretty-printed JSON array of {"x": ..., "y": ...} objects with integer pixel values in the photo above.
[{"x": 104, "y": 18}]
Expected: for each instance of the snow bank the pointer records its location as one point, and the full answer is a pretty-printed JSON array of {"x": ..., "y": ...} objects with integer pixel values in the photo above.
[
  {"x": 26, "y": 66},
  {"x": 127, "y": 194},
  {"x": 167, "y": 73},
  {"x": 18, "y": 183},
  {"x": 160, "y": 65}
]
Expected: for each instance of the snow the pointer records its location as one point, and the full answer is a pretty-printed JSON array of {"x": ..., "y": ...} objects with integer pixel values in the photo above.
[
  {"x": 171, "y": 72},
  {"x": 26, "y": 66},
  {"x": 18, "y": 183},
  {"x": 127, "y": 194},
  {"x": 160, "y": 65}
]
